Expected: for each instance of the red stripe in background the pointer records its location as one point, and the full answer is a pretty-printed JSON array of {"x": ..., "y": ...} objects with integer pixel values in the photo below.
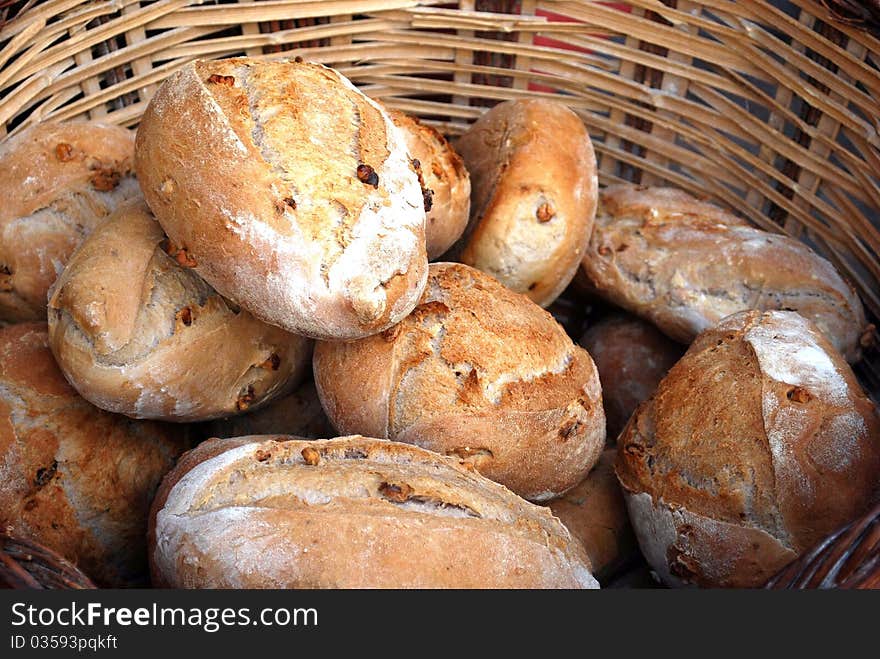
[{"x": 553, "y": 43}]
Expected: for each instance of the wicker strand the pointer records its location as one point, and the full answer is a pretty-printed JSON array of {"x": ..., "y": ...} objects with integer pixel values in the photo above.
[
  {"x": 848, "y": 558},
  {"x": 26, "y": 564}
]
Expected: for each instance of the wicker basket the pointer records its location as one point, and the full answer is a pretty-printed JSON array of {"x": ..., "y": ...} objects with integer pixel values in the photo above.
[
  {"x": 768, "y": 108},
  {"x": 847, "y": 559},
  {"x": 25, "y": 564}
]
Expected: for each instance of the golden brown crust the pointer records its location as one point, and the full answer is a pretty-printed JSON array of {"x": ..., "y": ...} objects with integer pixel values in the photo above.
[
  {"x": 59, "y": 182},
  {"x": 290, "y": 191},
  {"x": 533, "y": 200},
  {"x": 75, "y": 479},
  {"x": 445, "y": 176},
  {"x": 351, "y": 512},
  {"x": 478, "y": 372},
  {"x": 139, "y": 334},
  {"x": 632, "y": 356},
  {"x": 594, "y": 512},
  {"x": 685, "y": 264},
  {"x": 298, "y": 413},
  {"x": 758, "y": 441}
]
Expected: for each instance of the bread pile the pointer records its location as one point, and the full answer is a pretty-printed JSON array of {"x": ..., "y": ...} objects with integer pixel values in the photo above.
[{"x": 248, "y": 278}]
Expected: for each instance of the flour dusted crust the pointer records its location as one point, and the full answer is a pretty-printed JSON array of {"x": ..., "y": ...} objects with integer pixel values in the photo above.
[
  {"x": 444, "y": 174},
  {"x": 351, "y": 512},
  {"x": 684, "y": 264},
  {"x": 72, "y": 477},
  {"x": 59, "y": 180},
  {"x": 632, "y": 356},
  {"x": 478, "y": 372},
  {"x": 676, "y": 542},
  {"x": 139, "y": 334},
  {"x": 290, "y": 192},
  {"x": 757, "y": 444},
  {"x": 594, "y": 512},
  {"x": 533, "y": 200}
]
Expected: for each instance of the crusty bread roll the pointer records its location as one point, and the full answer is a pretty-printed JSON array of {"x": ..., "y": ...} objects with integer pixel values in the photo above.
[
  {"x": 533, "y": 199},
  {"x": 298, "y": 413},
  {"x": 74, "y": 478},
  {"x": 137, "y": 333},
  {"x": 595, "y": 514},
  {"x": 445, "y": 176},
  {"x": 352, "y": 512},
  {"x": 685, "y": 264},
  {"x": 632, "y": 356},
  {"x": 59, "y": 181},
  {"x": 476, "y": 371},
  {"x": 758, "y": 443},
  {"x": 289, "y": 191}
]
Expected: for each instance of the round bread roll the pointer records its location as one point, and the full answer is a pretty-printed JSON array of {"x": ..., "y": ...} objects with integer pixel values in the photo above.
[
  {"x": 298, "y": 413},
  {"x": 74, "y": 478},
  {"x": 478, "y": 372},
  {"x": 533, "y": 199},
  {"x": 289, "y": 191},
  {"x": 632, "y": 356},
  {"x": 59, "y": 182},
  {"x": 352, "y": 512},
  {"x": 684, "y": 264},
  {"x": 444, "y": 175},
  {"x": 137, "y": 333},
  {"x": 594, "y": 513},
  {"x": 757, "y": 444}
]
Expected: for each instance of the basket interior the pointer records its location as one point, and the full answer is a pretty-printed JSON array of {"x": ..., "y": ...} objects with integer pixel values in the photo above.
[{"x": 768, "y": 108}]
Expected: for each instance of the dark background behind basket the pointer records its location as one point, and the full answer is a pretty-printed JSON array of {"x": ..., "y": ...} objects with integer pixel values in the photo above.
[{"x": 767, "y": 108}]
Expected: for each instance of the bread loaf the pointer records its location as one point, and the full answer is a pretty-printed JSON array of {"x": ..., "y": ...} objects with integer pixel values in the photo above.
[
  {"x": 533, "y": 199},
  {"x": 444, "y": 176},
  {"x": 632, "y": 356},
  {"x": 138, "y": 333},
  {"x": 74, "y": 478},
  {"x": 477, "y": 372},
  {"x": 685, "y": 264},
  {"x": 595, "y": 514},
  {"x": 757, "y": 444},
  {"x": 298, "y": 413},
  {"x": 353, "y": 512},
  {"x": 288, "y": 191},
  {"x": 59, "y": 181}
]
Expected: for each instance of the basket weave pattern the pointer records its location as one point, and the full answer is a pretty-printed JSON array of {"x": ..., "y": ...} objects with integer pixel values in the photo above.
[
  {"x": 768, "y": 108},
  {"x": 848, "y": 558},
  {"x": 26, "y": 564}
]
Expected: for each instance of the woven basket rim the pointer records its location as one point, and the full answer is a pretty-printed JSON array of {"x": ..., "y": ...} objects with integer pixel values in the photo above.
[{"x": 25, "y": 563}]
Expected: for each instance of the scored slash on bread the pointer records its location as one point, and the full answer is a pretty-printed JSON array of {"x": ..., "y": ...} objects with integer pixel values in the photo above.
[
  {"x": 291, "y": 191},
  {"x": 476, "y": 371},
  {"x": 757, "y": 444},
  {"x": 351, "y": 512},
  {"x": 684, "y": 265},
  {"x": 138, "y": 333}
]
